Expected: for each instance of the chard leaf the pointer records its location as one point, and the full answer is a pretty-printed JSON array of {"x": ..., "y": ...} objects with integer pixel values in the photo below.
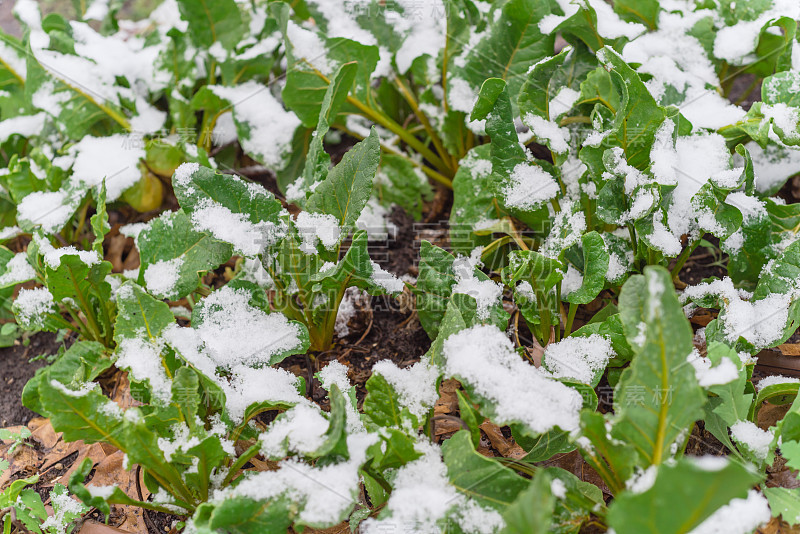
[
  {"x": 474, "y": 201},
  {"x": 382, "y": 406},
  {"x": 318, "y": 161},
  {"x": 658, "y": 397},
  {"x": 243, "y": 515},
  {"x": 532, "y": 511},
  {"x": 437, "y": 278},
  {"x": 638, "y": 117},
  {"x": 203, "y": 185},
  {"x": 484, "y": 479},
  {"x": 81, "y": 363},
  {"x": 348, "y": 186},
  {"x": 595, "y": 266},
  {"x": 511, "y": 44},
  {"x": 139, "y": 314},
  {"x": 784, "y": 503},
  {"x": 212, "y": 21},
  {"x": 171, "y": 242},
  {"x": 694, "y": 491}
]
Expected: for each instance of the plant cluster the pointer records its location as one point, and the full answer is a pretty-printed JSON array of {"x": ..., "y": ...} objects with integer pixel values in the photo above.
[{"x": 590, "y": 149}]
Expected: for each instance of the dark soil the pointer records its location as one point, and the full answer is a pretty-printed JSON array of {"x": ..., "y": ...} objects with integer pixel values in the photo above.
[{"x": 15, "y": 371}]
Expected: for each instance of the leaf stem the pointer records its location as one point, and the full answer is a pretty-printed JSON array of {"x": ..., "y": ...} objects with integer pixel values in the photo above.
[
  {"x": 684, "y": 257},
  {"x": 406, "y": 92},
  {"x": 573, "y": 309}
]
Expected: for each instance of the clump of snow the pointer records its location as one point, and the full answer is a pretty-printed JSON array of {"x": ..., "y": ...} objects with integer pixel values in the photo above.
[
  {"x": 422, "y": 496},
  {"x": 760, "y": 322},
  {"x": 726, "y": 371},
  {"x": 323, "y": 495},
  {"x": 578, "y": 358},
  {"x": 113, "y": 158},
  {"x": 183, "y": 174},
  {"x": 52, "y": 256},
  {"x": 415, "y": 385},
  {"x": 271, "y": 127},
  {"x": 334, "y": 373},
  {"x": 246, "y": 237},
  {"x": 484, "y": 358},
  {"x": 774, "y": 380},
  {"x": 64, "y": 507},
  {"x": 548, "y": 132},
  {"x": 353, "y": 299},
  {"x": 17, "y": 270},
  {"x": 572, "y": 281},
  {"x": 562, "y": 102},
  {"x": 385, "y": 279},
  {"x": 374, "y": 221},
  {"x": 529, "y": 186},
  {"x": 161, "y": 277},
  {"x": 48, "y": 209},
  {"x": 756, "y": 440},
  {"x": 558, "y": 489},
  {"x": 316, "y": 228},
  {"x": 143, "y": 360},
  {"x": 31, "y": 305},
  {"x": 739, "y": 516},
  {"x": 300, "y": 430},
  {"x": 24, "y": 125},
  {"x": 485, "y": 292},
  {"x": 642, "y": 480}
]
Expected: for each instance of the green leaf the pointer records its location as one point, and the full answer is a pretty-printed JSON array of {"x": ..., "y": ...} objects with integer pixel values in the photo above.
[
  {"x": 81, "y": 363},
  {"x": 511, "y": 44},
  {"x": 348, "y": 186},
  {"x": 212, "y": 21},
  {"x": 658, "y": 397},
  {"x": 318, "y": 161},
  {"x": 383, "y": 409},
  {"x": 248, "y": 200},
  {"x": 172, "y": 239},
  {"x": 784, "y": 503},
  {"x": 595, "y": 266},
  {"x": 642, "y": 11},
  {"x": 532, "y": 511},
  {"x": 692, "y": 490},
  {"x": 484, "y": 479},
  {"x": 99, "y": 220},
  {"x": 494, "y": 105},
  {"x": 638, "y": 116},
  {"x": 139, "y": 314},
  {"x": 400, "y": 182},
  {"x": 241, "y": 515}
]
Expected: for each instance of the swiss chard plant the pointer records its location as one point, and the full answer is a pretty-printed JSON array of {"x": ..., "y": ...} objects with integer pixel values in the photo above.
[{"x": 582, "y": 152}]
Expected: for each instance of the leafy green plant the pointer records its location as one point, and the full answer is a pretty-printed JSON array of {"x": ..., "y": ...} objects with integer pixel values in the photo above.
[
  {"x": 583, "y": 180},
  {"x": 28, "y": 509}
]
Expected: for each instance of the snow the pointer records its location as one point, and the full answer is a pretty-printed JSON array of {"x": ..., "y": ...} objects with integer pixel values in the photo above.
[
  {"x": 247, "y": 238},
  {"x": 161, "y": 277},
  {"x": 422, "y": 497},
  {"x": 578, "y": 358},
  {"x": 756, "y": 440},
  {"x": 63, "y": 507},
  {"x": 271, "y": 128},
  {"x": 549, "y": 132},
  {"x": 726, "y": 371},
  {"x": 374, "y": 220},
  {"x": 642, "y": 480},
  {"x": 143, "y": 360},
  {"x": 334, "y": 373},
  {"x": 461, "y": 96},
  {"x": 24, "y": 125},
  {"x": 353, "y": 299},
  {"x": 773, "y": 164},
  {"x": 183, "y": 174},
  {"x": 386, "y": 280},
  {"x": 772, "y": 380},
  {"x": 562, "y": 102},
  {"x": 31, "y": 305},
  {"x": 485, "y": 292},
  {"x": 759, "y": 322},
  {"x": 485, "y": 359},
  {"x": 52, "y": 256},
  {"x": 736, "y": 44},
  {"x": 415, "y": 385},
  {"x": 316, "y": 228},
  {"x": 307, "y": 45},
  {"x": 322, "y": 495},
  {"x": 17, "y": 270},
  {"x": 752, "y": 208},
  {"x": 572, "y": 281},
  {"x": 300, "y": 430},
  {"x": 558, "y": 489},
  {"x": 423, "y": 26},
  {"x": 49, "y": 209},
  {"x": 609, "y": 25},
  {"x": 739, "y": 516},
  {"x": 529, "y": 186},
  {"x": 786, "y": 118},
  {"x": 234, "y": 332}
]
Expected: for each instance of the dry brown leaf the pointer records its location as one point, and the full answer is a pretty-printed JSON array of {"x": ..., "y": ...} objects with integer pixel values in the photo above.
[
  {"x": 93, "y": 527},
  {"x": 448, "y": 400},
  {"x": 790, "y": 349}
]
